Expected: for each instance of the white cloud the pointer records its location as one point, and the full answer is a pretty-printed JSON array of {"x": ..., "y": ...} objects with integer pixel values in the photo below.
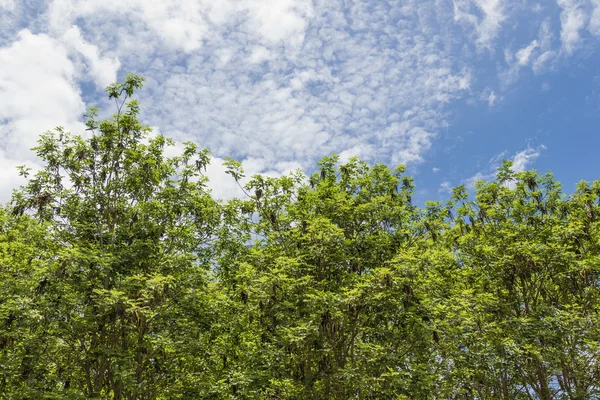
[
  {"x": 102, "y": 70},
  {"x": 281, "y": 83},
  {"x": 490, "y": 97},
  {"x": 546, "y": 54},
  {"x": 488, "y": 25},
  {"x": 7, "y": 4},
  {"x": 480, "y": 176},
  {"x": 280, "y": 20},
  {"x": 445, "y": 187},
  {"x": 244, "y": 95},
  {"x": 222, "y": 185},
  {"x": 182, "y": 24},
  {"x": 594, "y": 25},
  {"x": 435, "y": 170},
  {"x": 573, "y": 18},
  {"x": 525, "y": 54},
  {"x": 10, "y": 16},
  {"x": 178, "y": 23},
  {"x": 522, "y": 160},
  {"x": 360, "y": 151},
  {"x": 543, "y": 60},
  {"x": 39, "y": 92},
  {"x": 538, "y": 54}
]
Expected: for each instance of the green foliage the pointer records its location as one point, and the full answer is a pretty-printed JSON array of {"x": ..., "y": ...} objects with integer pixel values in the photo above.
[
  {"x": 128, "y": 233},
  {"x": 122, "y": 278}
]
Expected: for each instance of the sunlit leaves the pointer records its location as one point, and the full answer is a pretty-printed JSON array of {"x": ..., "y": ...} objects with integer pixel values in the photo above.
[{"x": 121, "y": 277}]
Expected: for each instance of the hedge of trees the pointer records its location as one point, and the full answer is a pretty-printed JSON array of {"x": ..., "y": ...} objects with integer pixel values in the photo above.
[{"x": 122, "y": 277}]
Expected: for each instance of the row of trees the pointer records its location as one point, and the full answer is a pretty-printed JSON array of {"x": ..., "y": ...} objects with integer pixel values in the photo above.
[{"x": 122, "y": 277}]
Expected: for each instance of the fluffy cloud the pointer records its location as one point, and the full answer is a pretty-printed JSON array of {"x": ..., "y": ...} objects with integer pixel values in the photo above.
[
  {"x": 573, "y": 19},
  {"x": 181, "y": 24},
  {"x": 524, "y": 55},
  {"x": 594, "y": 25},
  {"x": 490, "y": 97},
  {"x": 522, "y": 160},
  {"x": 489, "y": 22},
  {"x": 102, "y": 70},
  {"x": 39, "y": 92},
  {"x": 277, "y": 83},
  {"x": 480, "y": 176},
  {"x": 445, "y": 187},
  {"x": 7, "y": 4},
  {"x": 537, "y": 54},
  {"x": 545, "y": 53},
  {"x": 9, "y": 16},
  {"x": 296, "y": 81}
]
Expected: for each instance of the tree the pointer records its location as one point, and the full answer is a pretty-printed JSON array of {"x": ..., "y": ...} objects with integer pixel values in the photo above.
[
  {"x": 317, "y": 309},
  {"x": 127, "y": 269},
  {"x": 121, "y": 277},
  {"x": 513, "y": 290}
]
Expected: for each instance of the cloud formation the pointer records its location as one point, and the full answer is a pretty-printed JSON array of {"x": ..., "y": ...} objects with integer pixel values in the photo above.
[
  {"x": 285, "y": 81},
  {"x": 573, "y": 19},
  {"x": 487, "y": 25},
  {"x": 522, "y": 160},
  {"x": 38, "y": 92},
  {"x": 594, "y": 25},
  {"x": 280, "y": 83}
]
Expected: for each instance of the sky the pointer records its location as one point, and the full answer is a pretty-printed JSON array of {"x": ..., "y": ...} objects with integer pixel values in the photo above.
[{"x": 447, "y": 87}]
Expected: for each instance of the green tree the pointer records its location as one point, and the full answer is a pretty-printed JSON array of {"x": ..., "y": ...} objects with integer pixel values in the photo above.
[
  {"x": 319, "y": 310},
  {"x": 122, "y": 278},
  {"x": 127, "y": 270},
  {"x": 515, "y": 297}
]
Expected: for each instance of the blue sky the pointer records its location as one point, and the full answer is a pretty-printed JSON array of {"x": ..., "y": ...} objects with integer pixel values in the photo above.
[{"x": 448, "y": 87}]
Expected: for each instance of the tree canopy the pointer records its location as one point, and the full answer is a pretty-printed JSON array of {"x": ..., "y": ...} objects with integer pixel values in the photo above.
[{"x": 122, "y": 277}]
